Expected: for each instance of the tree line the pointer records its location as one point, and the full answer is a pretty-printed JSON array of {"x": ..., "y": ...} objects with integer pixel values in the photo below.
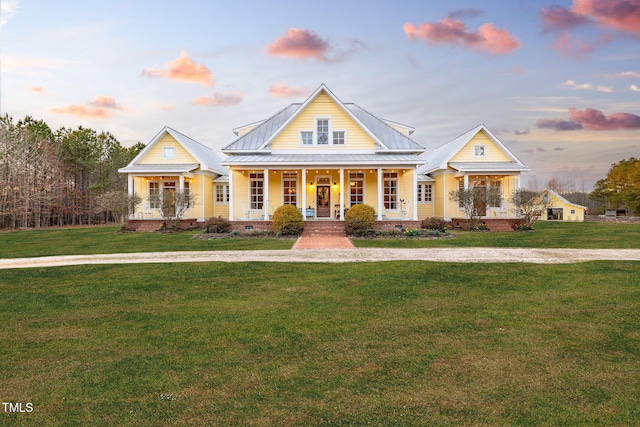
[{"x": 57, "y": 177}]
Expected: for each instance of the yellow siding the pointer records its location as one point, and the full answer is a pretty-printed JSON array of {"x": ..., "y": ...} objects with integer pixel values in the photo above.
[
  {"x": 425, "y": 210},
  {"x": 323, "y": 107},
  {"x": 403, "y": 130},
  {"x": 154, "y": 156},
  {"x": 493, "y": 153}
]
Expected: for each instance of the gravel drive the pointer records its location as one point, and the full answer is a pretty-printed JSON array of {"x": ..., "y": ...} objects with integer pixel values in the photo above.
[{"x": 485, "y": 255}]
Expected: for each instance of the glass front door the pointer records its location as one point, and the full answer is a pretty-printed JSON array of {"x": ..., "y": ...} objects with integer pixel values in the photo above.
[{"x": 323, "y": 201}]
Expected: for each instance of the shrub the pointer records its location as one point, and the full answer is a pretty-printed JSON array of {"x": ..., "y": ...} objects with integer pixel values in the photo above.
[
  {"x": 358, "y": 228},
  {"x": 432, "y": 223},
  {"x": 359, "y": 220},
  {"x": 364, "y": 213},
  {"x": 288, "y": 221},
  {"x": 218, "y": 224}
]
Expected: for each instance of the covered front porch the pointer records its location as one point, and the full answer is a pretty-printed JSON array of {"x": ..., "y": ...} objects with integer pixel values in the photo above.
[{"x": 322, "y": 192}]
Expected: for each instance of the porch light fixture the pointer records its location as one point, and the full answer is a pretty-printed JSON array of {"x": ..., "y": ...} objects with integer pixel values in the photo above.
[
  {"x": 335, "y": 183},
  {"x": 311, "y": 183}
]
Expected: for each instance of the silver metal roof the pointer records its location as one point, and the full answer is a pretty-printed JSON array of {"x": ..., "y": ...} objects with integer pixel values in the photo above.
[
  {"x": 488, "y": 166},
  {"x": 390, "y": 137},
  {"x": 323, "y": 159},
  {"x": 160, "y": 168}
]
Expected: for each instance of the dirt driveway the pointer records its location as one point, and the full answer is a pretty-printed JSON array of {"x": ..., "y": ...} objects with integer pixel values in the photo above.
[{"x": 485, "y": 255}]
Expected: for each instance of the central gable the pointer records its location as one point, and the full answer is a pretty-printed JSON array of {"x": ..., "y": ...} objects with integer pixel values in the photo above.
[{"x": 333, "y": 117}]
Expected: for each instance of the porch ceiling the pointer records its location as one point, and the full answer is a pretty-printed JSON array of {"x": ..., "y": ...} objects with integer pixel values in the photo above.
[{"x": 333, "y": 159}]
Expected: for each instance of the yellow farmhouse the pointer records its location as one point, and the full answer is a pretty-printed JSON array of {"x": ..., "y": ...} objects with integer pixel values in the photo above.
[{"x": 324, "y": 156}]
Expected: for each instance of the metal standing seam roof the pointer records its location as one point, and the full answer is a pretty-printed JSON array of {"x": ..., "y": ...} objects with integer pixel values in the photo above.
[
  {"x": 393, "y": 139},
  {"x": 488, "y": 166},
  {"x": 253, "y": 140},
  {"x": 323, "y": 159},
  {"x": 160, "y": 168}
]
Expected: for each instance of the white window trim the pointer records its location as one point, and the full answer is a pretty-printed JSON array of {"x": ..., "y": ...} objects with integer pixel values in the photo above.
[
  {"x": 345, "y": 137},
  {"x": 364, "y": 186},
  {"x": 297, "y": 181},
  {"x": 422, "y": 200},
  {"x": 329, "y": 129},
  {"x": 484, "y": 150},
  {"x": 164, "y": 153},
  {"x": 225, "y": 194},
  {"x": 302, "y": 144}
]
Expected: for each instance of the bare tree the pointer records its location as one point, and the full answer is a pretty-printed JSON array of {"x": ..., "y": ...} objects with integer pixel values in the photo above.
[
  {"x": 119, "y": 204},
  {"x": 475, "y": 201},
  {"x": 531, "y": 205},
  {"x": 174, "y": 205}
]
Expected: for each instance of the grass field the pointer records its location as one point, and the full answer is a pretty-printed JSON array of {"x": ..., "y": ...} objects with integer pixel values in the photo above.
[
  {"x": 393, "y": 343},
  {"x": 100, "y": 240}
]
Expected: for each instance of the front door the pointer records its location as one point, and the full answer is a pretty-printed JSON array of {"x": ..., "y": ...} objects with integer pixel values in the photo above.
[{"x": 323, "y": 201}]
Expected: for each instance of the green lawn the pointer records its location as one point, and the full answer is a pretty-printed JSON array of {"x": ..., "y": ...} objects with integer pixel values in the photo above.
[
  {"x": 392, "y": 343},
  {"x": 585, "y": 235},
  {"x": 104, "y": 240},
  {"x": 99, "y": 240}
]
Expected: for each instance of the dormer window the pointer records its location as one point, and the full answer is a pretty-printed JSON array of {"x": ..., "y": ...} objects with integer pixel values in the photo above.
[
  {"x": 168, "y": 153},
  {"x": 479, "y": 150}
]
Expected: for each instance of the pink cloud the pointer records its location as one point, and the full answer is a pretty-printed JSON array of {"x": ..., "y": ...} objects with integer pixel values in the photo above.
[
  {"x": 487, "y": 38},
  {"x": 556, "y": 17},
  {"x": 592, "y": 119},
  {"x": 183, "y": 69},
  {"x": 101, "y": 108},
  {"x": 163, "y": 107},
  {"x": 283, "y": 90},
  {"x": 577, "y": 48},
  {"x": 622, "y": 15},
  {"x": 300, "y": 44},
  {"x": 219, "y": 100},
  {"x": 37, "y": 89}
]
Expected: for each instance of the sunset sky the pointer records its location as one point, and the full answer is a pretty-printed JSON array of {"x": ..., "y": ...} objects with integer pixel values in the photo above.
[{"x": 557, "y": 81}]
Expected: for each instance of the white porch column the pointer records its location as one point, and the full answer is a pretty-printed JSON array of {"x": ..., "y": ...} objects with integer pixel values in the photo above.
[
  {"x": 414, "y": 207},
  {"x": 181, "y": 183},
  {"x": 304, "y": 193},
  {"x": 466, "y": 181},
  {"x": 265, "y": 201},
  {"x": 230, "y": 194},
  {"x": 131, "y": 192},
  {"x": 380, "y": 194},
  {"x": 341, "y": 194}
]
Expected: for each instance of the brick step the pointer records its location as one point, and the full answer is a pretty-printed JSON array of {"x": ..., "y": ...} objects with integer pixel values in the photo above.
[{"x": 323, "y": 228}]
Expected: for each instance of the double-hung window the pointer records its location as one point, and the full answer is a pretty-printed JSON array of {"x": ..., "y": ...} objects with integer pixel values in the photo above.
[
  {"x": 256, "y": 190},
  {"x": 289, "y": 188},
  {"x": 222, "y": 193},
  {"x": 154, "y": 195},
  {"x": 425, "y": 192},
  {"x": 390, "y": 187},
  {"x": 338, "y": 137},
  {"x": 306, "y": 137},
  {"x": 322, "y": 131},
  {"x": 356, "y": 188}
]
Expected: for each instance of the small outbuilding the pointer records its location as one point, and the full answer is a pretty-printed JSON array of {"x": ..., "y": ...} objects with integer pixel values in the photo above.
[{"x": 560, "y": 209}]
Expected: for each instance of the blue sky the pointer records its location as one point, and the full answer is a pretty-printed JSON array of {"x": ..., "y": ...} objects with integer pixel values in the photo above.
[{"x": 558, "y": 82}]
